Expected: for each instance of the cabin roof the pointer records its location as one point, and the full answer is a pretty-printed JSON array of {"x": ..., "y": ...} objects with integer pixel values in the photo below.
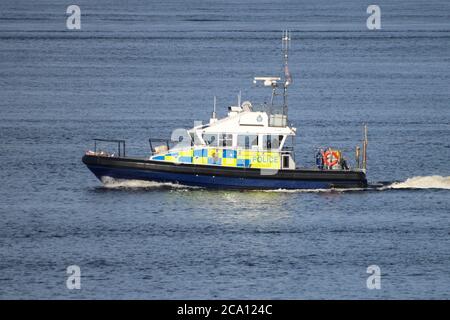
[{"x": 245, "y": 122}]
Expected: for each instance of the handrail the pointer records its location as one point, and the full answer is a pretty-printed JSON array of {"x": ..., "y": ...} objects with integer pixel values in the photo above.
[
  {"x": 277, "y": 150},
  {"x": 120, "y": 145},
  {"x": 152, "y": 150}
]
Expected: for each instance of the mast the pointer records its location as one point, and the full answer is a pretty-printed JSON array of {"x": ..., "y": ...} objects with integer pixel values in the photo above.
[
  {"x": 285, "y": 45},
  {"x": 365, "y": 142},
  {"x": 278, "y": 116},
  {"x": 214, "y": 109},
  {"x": 213, "y": 118}
]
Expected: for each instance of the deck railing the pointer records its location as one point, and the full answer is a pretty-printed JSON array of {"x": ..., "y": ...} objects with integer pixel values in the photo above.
[{"x": 120, "y": 145}]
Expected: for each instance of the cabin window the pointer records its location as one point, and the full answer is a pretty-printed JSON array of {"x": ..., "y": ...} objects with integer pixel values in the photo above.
[
  {"x": 285, "y": 161},
  {"x": 192, "y": 136},
  {"x": 210, "y": 140},
  {"x": 247, "y": 141},
  {"x": 225, "y": 140},
  {"x": 271, "y": 141},
  {"x": 289, "y": 143}
]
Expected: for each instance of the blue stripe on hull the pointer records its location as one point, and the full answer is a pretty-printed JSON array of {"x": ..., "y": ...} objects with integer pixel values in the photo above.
[{"x": 210, "y": 181}]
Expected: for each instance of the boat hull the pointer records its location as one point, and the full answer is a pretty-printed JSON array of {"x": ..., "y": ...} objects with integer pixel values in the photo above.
[{"x": 222, "y": 177}]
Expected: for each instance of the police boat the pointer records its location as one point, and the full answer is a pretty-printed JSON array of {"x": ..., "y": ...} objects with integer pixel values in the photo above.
[{"x": 251, "y": 148}]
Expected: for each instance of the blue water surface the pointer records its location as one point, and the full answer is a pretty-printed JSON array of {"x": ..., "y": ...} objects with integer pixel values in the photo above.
[{"x": 139, "y": 69}]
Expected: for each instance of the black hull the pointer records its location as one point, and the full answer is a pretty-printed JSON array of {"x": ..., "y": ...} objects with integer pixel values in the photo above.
[{"x": 222, "y": 177}]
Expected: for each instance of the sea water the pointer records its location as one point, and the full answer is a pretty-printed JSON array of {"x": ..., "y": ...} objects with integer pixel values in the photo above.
[{"x": 140, "y": 69}]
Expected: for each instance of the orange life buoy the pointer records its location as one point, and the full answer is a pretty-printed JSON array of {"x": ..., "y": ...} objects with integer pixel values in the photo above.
[{"x": 331, "y": 158}]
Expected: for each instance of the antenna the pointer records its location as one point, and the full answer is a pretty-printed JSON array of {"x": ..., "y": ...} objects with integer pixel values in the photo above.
[
  {"x": 214, "y": 109},
  {"x": 365, "y": 142},
  {"x": 267, "y": 81},
  {"x": 285, "y": 45},
  {"x": 239, "y": 99},
  {"x": 276, "y": 83}
]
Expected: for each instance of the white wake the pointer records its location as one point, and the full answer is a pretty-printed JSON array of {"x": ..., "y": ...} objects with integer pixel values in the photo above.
[
  {"x": 425, "y": 182},
  {"x": 419, "y": 182},
  {"x": 112, "y": 183}
]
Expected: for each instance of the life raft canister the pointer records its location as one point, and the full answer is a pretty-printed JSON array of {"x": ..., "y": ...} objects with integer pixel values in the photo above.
[{"x": 331, "y": 158}]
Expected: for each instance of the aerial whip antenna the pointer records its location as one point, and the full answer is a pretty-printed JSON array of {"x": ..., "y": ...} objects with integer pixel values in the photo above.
[{"x": 285, "y": 44}]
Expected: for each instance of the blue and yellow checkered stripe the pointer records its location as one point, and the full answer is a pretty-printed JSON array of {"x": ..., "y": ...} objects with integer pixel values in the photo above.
[{"x": 224, "y": 157}]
